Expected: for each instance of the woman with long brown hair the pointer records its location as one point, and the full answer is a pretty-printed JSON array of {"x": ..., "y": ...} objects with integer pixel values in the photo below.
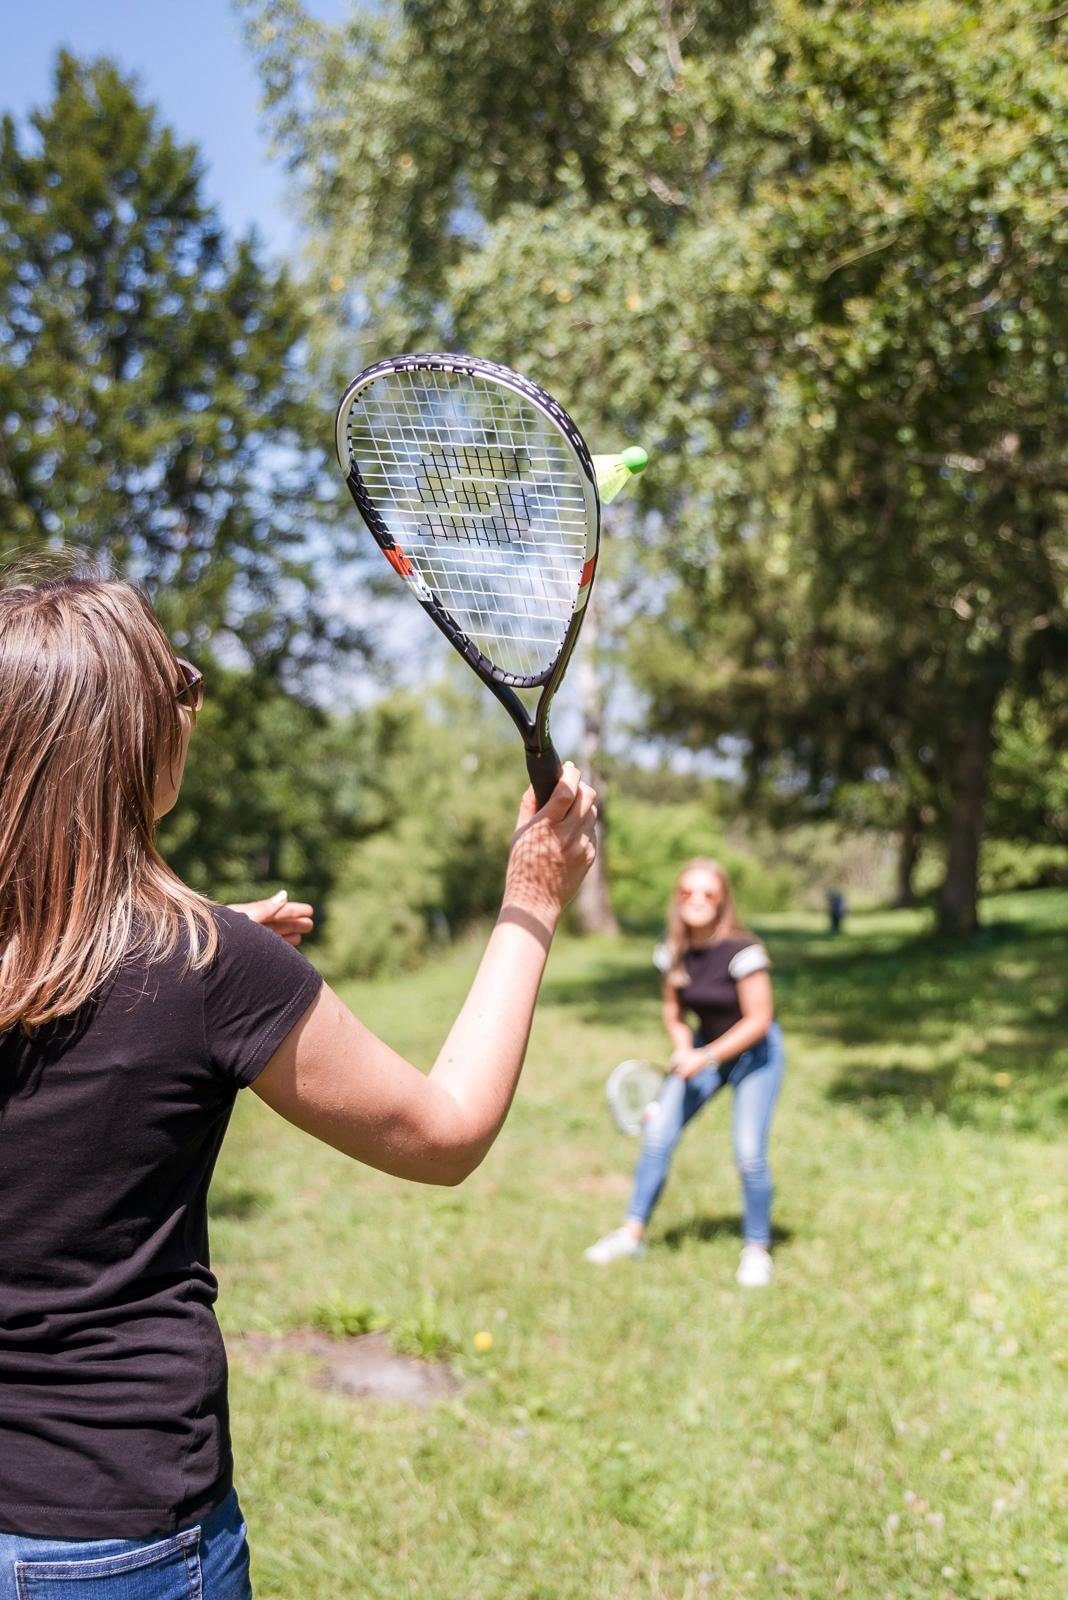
[
  {"x": 714, "y": 969},
  {"x": 132, "y": 1010}
]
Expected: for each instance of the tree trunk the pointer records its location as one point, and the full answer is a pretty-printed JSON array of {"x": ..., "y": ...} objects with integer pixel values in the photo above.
[
  {"x": 593, "y": 903},
  {"x": 908, "y": 853},
  {"x": 968, "y": 772}
]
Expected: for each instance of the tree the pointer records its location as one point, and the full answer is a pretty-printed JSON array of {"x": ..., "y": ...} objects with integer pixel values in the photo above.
[
  {"x": 813, "y": 253},
  {"x": 896, "y": 275},
  {"x": 151, "y": 384},
  {"x": 436, "y": 814},
  {"x": 154, "y": 413},
  {"x": 395, "y": 126},
  {"x": 1029, "y": 792},
  {"x": 275, "y": 791}
]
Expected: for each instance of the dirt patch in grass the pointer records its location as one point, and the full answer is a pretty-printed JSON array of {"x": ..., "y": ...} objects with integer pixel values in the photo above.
[{"x": 366, "y": 1367}]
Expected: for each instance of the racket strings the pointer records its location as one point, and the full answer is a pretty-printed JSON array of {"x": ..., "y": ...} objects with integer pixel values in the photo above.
[{"x": 486, "y": 500}]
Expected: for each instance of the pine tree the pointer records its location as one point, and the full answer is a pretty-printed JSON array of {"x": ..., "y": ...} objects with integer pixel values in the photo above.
[
  {"x": 155, "y": 414},
  {"x": 150, "y": 375}
]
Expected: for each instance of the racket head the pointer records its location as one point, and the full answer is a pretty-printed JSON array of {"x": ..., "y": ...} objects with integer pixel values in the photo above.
[
  {"x": 630, "y": 1089},
  {"x": 481, "y": 493}
]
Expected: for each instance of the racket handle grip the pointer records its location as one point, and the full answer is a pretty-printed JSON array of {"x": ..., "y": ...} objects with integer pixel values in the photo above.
[{"x": 544, "y": 767}]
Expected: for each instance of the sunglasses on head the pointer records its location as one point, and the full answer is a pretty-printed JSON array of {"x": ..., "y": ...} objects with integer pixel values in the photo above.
[{"x": 191, "y": 689}]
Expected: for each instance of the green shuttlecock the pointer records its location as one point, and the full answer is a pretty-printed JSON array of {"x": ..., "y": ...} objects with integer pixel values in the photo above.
[{"x": 613, "y": 473}]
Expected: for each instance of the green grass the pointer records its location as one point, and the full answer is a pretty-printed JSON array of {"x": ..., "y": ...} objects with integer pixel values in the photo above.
[{"x": 887, "y": 1421}]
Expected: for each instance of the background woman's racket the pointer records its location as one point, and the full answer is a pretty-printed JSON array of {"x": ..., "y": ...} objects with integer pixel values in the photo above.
[
  {"x": 482, "y": 495},
  {"x": 630, "y": 1090}
]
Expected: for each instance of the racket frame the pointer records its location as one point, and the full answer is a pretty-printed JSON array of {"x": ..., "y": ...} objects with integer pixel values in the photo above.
[
  {"x": 543, "y": 763},
  {"x": 625, "y": 1072}
]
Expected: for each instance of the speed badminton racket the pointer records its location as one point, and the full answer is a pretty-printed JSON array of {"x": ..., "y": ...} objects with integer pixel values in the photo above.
[
  {"x": 481, "y": 493},
  {"x": 631, "y": 1089}
]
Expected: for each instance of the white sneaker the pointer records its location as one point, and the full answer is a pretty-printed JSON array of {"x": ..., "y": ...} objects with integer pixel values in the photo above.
[
  {"x": 755, "y": 1268},
  {"x": 615, "y": 1246}
]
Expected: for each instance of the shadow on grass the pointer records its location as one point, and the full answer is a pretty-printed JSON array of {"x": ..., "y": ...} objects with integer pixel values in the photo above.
[
  {"x": 997, "y": 1092},
  {"x": 987, "y": 1013},
  {"x": 703, "y": 1229},
  {"x": 927, "y": 1089},
  {"x": 610, "y": 994},
  {"x": 238, "y": 1202}
]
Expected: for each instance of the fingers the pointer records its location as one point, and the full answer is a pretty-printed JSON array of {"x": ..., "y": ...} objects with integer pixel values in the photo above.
[
  {"x": 289, "y": 919},
  {"x": 587, "y": 806},
  {"x": 298, "y": 910},
  {"x": 561, "y": 804},
  {"x": 294, "y": 917},
  {"x": 281, "y": 911},
  {"x": 528, "y": 808},
  {"x": 574, "y": 808},
  {"x": 580, "y": 826},
  {"x": 563, "y": 797}
]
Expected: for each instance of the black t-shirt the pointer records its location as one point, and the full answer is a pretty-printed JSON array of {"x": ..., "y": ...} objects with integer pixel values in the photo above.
[
  {"x": 713, "y": 973},
  {"x": 113, "y": 1412}
]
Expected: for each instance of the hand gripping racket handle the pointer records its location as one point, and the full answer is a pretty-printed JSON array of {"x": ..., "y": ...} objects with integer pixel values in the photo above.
[{"x": 544, "y": 767}]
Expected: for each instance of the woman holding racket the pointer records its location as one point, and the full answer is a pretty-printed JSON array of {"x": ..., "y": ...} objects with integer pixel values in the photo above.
[
  {"x": 132, "y": 1011},
  {"x": 717, "y": 972}
]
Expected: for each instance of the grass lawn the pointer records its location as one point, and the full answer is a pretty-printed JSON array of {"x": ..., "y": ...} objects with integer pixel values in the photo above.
[{"x": 888, "y": 1420}]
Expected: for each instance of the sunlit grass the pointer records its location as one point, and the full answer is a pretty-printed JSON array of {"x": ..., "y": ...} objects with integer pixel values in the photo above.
[{"x": 886, "y": 1421}]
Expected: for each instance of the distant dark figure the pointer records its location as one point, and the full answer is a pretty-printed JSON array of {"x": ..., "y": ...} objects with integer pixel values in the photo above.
[{"x": 836, "y": 909}]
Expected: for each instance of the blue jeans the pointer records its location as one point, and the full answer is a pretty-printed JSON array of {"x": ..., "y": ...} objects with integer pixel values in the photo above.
[
  {"x": 755, "y": 1078},
  {"x": 206, "y": 1562}
]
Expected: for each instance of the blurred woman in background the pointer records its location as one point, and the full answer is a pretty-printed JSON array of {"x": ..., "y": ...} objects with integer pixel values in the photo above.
[{"x": 718, "y": 973}]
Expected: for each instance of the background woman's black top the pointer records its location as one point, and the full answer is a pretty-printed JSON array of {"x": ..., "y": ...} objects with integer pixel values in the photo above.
[
  {"x": 113, "y": 1413},
  {"x": 713, "y": 973}
]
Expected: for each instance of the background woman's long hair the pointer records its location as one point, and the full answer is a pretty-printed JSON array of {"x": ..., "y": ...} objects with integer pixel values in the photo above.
[
  {"x": 88, "y": 716},
  {"x": 677, "y": 939}
]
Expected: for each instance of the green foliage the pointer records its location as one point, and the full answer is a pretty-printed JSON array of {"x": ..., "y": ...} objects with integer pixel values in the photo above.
[
  {"x": 648, "y": 845},
  {"x": 150, "y": 374},
  {"x": 817, "y": 856},
  {"x": 419, "y": 1332},
  {"x": 812, "y": 254},
  {"x": 382, "y": 909},
  {"x": 431, "y": 813},
  {"x": 438, "y": 810},
  {"x": 155, "y": 414},
  {"x": 1009, "y": 864},
  {"x": 348, "y": 1319},
  {"x": 424, "y": 1333},
  {"x": 272, "y": 793},
  {"x": 895, "y": 275},
  {"x": 1029, "y": 782}
]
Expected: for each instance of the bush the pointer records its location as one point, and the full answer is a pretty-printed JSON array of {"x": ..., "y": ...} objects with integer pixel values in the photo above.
[
  {"x": 441, "y": 810},
  {"x": 648, "y": 843},
  {"x": 1022, "y": 864},
  {"x": 381, "y": 915}
]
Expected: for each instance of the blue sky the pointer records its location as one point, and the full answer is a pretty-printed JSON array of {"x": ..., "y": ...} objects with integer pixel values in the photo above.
[{"x": 191, "y": 60}]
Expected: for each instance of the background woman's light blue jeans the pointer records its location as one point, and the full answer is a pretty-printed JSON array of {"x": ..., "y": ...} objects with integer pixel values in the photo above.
[
  {"x": 207, "y": 1562},
  {"x": 755, "y": 1078}
]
